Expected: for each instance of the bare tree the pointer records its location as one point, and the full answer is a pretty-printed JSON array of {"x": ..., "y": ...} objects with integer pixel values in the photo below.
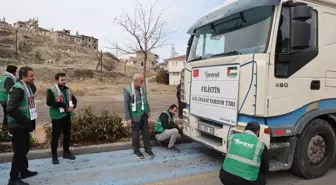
[{"x": 146, "y": 28}]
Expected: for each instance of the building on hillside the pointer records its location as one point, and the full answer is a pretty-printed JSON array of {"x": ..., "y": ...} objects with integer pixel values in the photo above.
[
  {"x": 81, "y": 40},
  {"x": 42, "y": 31},
  {"x": 175, "y": 66},
  {"x": 30, "y": 25},
  {"x": 4, "y": 24},
  {"x": 138, "y": 60},
  {"x": 88, "y": 42}
]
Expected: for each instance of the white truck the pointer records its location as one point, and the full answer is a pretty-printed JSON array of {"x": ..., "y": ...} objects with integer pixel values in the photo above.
[{"x": 269, "y": 61}]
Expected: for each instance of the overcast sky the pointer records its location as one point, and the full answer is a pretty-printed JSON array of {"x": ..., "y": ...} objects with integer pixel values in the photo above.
[{"x": 95, "y": 17}]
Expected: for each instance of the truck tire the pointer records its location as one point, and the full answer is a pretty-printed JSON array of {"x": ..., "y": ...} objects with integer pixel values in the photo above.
[{"x": 315, "y": 150}]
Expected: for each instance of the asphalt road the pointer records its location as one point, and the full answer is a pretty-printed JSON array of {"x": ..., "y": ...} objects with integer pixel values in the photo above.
[{"x": 195, "y": 165}]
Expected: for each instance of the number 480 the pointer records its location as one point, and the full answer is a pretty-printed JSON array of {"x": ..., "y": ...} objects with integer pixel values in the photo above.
[{"x": 281, "y": 84}]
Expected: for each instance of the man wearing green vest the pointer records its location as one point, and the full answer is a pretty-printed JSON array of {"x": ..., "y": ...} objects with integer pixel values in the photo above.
[
  {"x": 246, "y": 161},
  {"x": 61, "y": 103},
  {"x": 7, "y": 80},
  {"x": 166, "y": 128},
  {"x": 137, "y": 112},
  {"x": 22, "y": 112}
]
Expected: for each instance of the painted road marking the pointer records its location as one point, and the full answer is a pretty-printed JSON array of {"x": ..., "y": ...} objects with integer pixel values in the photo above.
[{"x": 122, "y": 168}]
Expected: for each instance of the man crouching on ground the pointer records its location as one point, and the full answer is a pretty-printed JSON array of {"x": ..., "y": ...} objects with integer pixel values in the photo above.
[{"x": 166, "y": 128}]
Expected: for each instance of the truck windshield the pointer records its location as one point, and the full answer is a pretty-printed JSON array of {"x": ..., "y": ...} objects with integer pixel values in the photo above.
[{"x": 242, "y": 33}]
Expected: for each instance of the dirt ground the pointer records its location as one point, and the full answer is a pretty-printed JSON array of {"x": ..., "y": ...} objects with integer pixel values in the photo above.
[
  {"x": 104, "y": 97},
  {"x": 100, "y": 94},
  {"x": 111, "y": 99}
]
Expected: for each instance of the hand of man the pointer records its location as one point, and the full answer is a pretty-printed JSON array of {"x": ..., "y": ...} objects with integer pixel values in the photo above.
[
  {"x": 178, "y": 121},
  {"x": 70, "y": 109},
  {"x": 129, "y": 122}
]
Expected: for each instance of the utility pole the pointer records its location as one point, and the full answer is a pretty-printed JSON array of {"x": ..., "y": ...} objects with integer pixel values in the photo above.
[
  {"x": 101, "y": 64},
  {"x": 125, "y": 67},
  {"x": 16, "y": 43}
]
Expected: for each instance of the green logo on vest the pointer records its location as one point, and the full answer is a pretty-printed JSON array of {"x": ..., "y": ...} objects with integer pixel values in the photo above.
[{"x": 244, "y": 144}]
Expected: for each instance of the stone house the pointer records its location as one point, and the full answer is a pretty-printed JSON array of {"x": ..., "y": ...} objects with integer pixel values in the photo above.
[
  {"x": 81, "y": 40},
  {"x": 139, "y": 58},
  {"x": 30, "y": 25}
]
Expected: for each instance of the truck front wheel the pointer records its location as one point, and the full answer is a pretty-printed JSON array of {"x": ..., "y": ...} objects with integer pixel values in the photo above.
[{"x": 315, "y": 150}]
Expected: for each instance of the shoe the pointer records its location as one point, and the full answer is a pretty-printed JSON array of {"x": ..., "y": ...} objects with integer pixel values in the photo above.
[
  {"x": 26, "y": 174},
  {"x": 16, "y": 182},
  {"x": 174, "y": 149},
  {"x": 7, "y": 137},
  {"x": 139, "y": 155},
  {"x": 69, "y": 156},
  {"x": 55, "y": 160},
  {"x": 150, "y": 153}
]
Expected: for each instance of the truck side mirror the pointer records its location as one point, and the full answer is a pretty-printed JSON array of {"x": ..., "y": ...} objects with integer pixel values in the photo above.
[
  {"x": 191, "y": 38},
  {"x": 187, "y": 52},
  {"x": 301, "y": 30},
  {"x": 302, "y": 12}
]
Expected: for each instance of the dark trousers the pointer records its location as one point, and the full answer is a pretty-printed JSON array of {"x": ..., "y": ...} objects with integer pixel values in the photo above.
[
  {"x": 21, "y": 142},
  {"x": 142, "y": 126},
  {"x": 229, "y": 179},
  {"x": 181, "y": 106},
  {"x": 4, "y": 122},
  {"x": 60, "y": 125}
]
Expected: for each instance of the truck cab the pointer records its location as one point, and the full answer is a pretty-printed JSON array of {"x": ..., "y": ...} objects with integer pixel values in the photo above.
[{"x": 269, "y": 61}]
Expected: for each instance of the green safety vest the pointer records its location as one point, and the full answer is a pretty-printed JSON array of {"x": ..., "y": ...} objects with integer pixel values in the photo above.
[
  {"x": 24, "y": 104},
  {"x": 3, "y": 90},
  {"x": 138, "y": 111},
  {"x": 158, "y": 127},
  {"x": 244, "y": 156},
  {"x": 54, "y": 112}
]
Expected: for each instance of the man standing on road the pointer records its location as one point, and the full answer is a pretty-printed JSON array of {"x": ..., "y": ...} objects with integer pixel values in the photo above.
[
  {"x": 137, "y": 113},
  {"x": 61, "y": 104},
  {"x": 166, "y": 128},
  {"x": 246, "y": 162},
  {"x": 7, "y": 81},
  {"x": 178, "y": 95},
  {"x": 21, "y": 113}
]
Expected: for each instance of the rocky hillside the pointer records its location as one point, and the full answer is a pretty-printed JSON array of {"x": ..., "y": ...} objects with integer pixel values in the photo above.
[{"x": 42, "y": 50}]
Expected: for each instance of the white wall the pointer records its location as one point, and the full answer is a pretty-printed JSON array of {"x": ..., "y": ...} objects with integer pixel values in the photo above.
[
  {"x": 175, "y": 65},
  {"x": 174, "y": 78},
  {"x": 174, "y": 68}
]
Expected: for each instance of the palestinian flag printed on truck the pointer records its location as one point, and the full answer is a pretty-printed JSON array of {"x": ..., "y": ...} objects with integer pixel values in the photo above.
[{"x": 232, "y": 72}]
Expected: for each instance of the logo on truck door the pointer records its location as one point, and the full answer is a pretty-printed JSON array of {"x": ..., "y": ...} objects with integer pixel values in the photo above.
[{"x": 195, "y": 73}]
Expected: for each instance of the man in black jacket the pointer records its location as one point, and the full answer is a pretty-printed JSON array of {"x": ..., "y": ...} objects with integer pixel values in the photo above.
[
  {"x": 166, "y": 128},
  {"x": 61, "y": 104},
  {"x": 7, "y": 80},
  {"x": 21, "y": 113}
]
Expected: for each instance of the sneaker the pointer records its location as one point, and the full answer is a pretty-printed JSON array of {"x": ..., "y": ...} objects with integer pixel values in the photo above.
[
  {"x": 16, "y": 182},
  {"x": 68, "y": 155},
  {"x": 162, "y": 144},
  {"x": 55, "y": 160},
  {"x": 139, "y": 155},
  {"x": 150, "y": 153},
  {"x": 174, "y": 149},
  {"x": 26, "y": 174}
]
